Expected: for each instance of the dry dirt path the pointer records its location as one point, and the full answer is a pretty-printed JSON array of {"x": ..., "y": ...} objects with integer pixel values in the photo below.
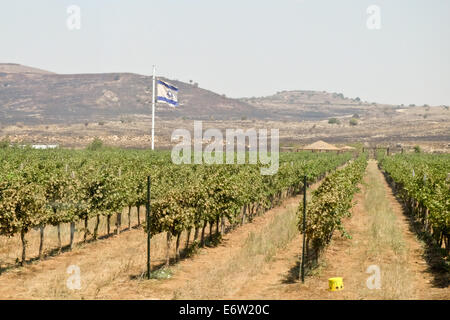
[{"x": 380, "y": 236}]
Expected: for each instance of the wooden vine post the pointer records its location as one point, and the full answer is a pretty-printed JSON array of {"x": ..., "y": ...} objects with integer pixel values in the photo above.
[
  {"x": 148, "y": 226},
  {"x": 304, "y": 231}
]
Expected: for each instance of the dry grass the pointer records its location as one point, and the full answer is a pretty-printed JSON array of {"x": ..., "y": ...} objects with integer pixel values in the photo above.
[
  {"x": 259, "y": 248},
  {"x": 386, "y": 246},
  {"x": 408, "y": 128},
  {"x": 11, "y": 247},
  {"x": 105, "y": 265}
]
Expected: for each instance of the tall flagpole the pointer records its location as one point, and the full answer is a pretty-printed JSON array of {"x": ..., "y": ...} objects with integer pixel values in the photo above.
[{"x": 153, "y": 108}]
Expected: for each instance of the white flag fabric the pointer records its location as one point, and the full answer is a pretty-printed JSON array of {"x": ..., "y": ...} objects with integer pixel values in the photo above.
[{"x": 167, "y": 93}]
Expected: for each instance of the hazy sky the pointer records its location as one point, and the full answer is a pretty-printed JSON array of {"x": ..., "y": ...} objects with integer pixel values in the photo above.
[{"x": 244, "y": 48}]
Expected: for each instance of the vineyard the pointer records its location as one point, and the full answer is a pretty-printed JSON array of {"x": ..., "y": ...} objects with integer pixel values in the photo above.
[
  {"x": 329, "y": 205},
  {"x": 40, "y": 188},
  {"x": 422, "y": 182},
  {"x": 219, "y": 223}
]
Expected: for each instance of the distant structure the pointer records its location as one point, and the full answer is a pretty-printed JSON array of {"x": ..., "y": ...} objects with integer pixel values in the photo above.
[
  {"x": 44, "y": 146},
  {"x": 347, "y": 148},
  {"x": 319, "y": 146}
]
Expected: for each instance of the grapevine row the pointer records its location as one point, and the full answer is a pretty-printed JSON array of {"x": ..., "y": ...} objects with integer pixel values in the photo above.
[
  {"x": 422, "y": 182},
  {"x": 329, "y": 204}
]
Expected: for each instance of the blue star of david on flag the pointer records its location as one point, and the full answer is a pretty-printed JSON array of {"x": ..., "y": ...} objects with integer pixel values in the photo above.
[{"x": 167, "y": 93}]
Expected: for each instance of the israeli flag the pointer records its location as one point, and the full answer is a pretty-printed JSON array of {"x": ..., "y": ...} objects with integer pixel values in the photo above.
[{"x": 167, "y": 93}]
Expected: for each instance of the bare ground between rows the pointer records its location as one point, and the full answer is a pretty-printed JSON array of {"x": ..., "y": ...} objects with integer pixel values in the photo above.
[
  {"x": 195, "y": 278},
  {"x": 191, "y": 275}
]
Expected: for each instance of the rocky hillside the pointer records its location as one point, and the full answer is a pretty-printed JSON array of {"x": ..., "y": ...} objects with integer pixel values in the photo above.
[
  {"x": 33, "y": 96},
  {"x": 70, "y": 110},
  {"x": 313, "y": 105}
]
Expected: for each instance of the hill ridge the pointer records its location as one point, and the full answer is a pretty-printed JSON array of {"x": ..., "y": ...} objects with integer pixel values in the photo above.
[{"x": 30, "y": 95}]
